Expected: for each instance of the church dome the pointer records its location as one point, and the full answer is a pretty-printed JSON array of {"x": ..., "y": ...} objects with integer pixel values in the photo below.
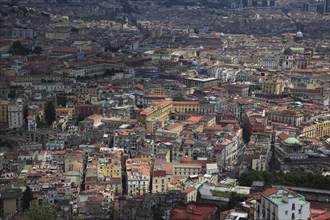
[
  {"x": 291, "y": 141},
  {"x": 299, "y": 34},
  {"x": 194, "y": 63}
]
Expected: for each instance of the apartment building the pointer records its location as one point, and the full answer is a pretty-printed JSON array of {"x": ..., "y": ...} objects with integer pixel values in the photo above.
[
  {"x": 15, "y": 115},
  {"x": 282, "y": 204},
  {"x": 138, "y": 176},
  {"x": 291, "y": 117}
]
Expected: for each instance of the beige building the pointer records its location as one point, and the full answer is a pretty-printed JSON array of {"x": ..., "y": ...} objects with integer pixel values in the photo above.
[
  {"x": 317, "y": 130},
  {"x": 15, "y": 115},
  {"x": 156, "y": 115},
  {"x": 156, "y": 90},
  {"x": 159, "y": 181},
  {"x": 190, "y": 194},
  {"x": 272, "y": 86},
  {"x": 290, "y": 117},
  {"x": 138, "y": 176},
  {"x": 259, "y": 163},
  {"x": 185, "y": 106},
  {"x": 97, "y": 119},
  {"x": 200, "y": 82},
  {"x": 186, "y": 169}
]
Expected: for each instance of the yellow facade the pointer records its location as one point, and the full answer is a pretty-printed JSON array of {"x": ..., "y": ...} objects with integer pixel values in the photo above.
[
  {"x": 156, "y": 115},
  {"x": 71, "y": 111},
  {"x": 9, "y": 206},
  {"x": 157, "y": 91},
  {"x": 159, "y": 184},
  {"x": 185, "y": 106},
  {"x": 272, "y": 86},
  {"x": 111, "y": 170},
  {"x": 210, "y": 122},
  {"x": 4, "y": 111},
  {"x": 199, "y": 128},
  {"x": 317, "y": 131}
]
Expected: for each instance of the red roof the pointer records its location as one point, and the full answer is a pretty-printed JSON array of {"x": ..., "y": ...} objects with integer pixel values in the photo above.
[
  {"x": 159, "y": 173},
  {"x": 317, "y": 214},
  {"x": 283, "y": 136},
  {"x": 193, "y": 212},
  {"x": 270, "y": 191},
  {"x": 185, "y": 103},
  {"x": 188, "y": 190},
  {"x": 154, "y": 96}
]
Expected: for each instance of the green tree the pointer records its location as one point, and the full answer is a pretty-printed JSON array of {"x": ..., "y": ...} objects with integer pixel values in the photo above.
[
  {"x": 18, "y": 49},
  {"x": 37, "y": 50},
  {"x": 50, "y": 112},
  {"x": 40, "y": 212},
  {"x": 61, "y": 100},
  {"x": 235, "y": 199},
  {"x": 179, "y": 98},
  {"x": 299, "y": 179},
  {"x": 80, "y": 118},
  {"x": 27, "y": 198},
  {"x": 25, "y": 112}
]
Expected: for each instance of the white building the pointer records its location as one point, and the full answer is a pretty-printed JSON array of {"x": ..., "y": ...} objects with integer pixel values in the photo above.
[
  {"x": 227, "y": 156},
  {"x": 225, "y": 74},
  {"x": 15, "y": 115},
  {"x": 212, "y": 168},
  {"x": 78, "y": 72},
  {"x": 282, "y": 204},
  {"x": 270, "y": 63},
  {"x": 49, "y": 87},
  {"x": 32, "y": 124},
  {"x": 23, "y": 33}
]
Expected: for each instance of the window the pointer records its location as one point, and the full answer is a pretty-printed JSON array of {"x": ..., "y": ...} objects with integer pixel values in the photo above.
[
  {"x": 293, "y": 206},
  {"x": 292, "y": 216}
]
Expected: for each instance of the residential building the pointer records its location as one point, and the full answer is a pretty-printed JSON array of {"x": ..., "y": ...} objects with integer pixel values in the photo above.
[
  {"x": 200, "y": 82},
  {"x": 194, "y": 212},
  {"x": 316, "y": 130},
  {"x": 156, "y": 115},
  {"x": 185, "y": 106},
  {"x": 138, "y": 176},
  {"x": 291, "y": 117},
  {"x": 282, "y": 204},
  {"x": 190, "y": 194},
  {"x": 238, "y": 89},
  {"x": 159, "y": 181},
  {"x": 15, "y": 115},
  {"x": 272, "y": 86}
]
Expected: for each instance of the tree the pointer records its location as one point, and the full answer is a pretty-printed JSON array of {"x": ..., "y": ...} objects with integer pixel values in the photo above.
[
  {"x": 40, "y": 212},
  {"x": 80, "y": 118},
  {"x": 25, "y": 112},
  {"x": 37, "y": 50},
  {"x": 299, "y": 179},
  {"x": 235, "y": 199},
  {"x": 179, "y": 98},
  {"x": 27, "y": 198},
  {"x": 50, "y": 112},
  {"x": 18, "y": 49},
  {"x": 61, "y": 100}
]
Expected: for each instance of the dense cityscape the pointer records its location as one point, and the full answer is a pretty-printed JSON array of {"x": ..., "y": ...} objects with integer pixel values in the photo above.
[{"x": 165, "y": 109}]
